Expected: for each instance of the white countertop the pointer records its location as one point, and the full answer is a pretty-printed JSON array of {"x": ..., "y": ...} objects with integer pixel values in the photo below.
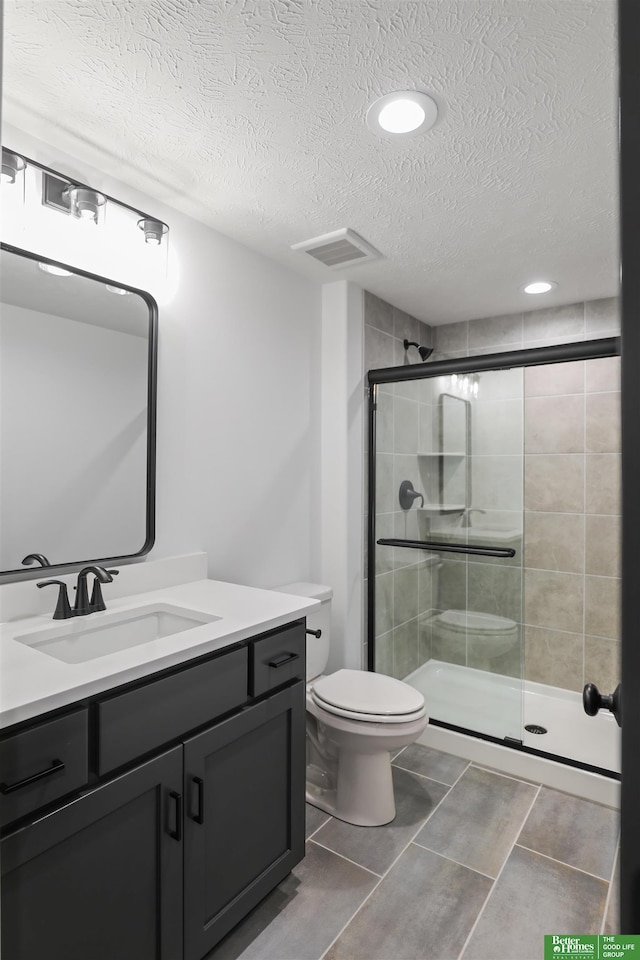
[{"x": 32, "y": 682}]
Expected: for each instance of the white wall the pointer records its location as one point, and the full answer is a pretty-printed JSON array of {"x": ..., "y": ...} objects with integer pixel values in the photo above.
[
  {"x": 342, "y": 467},
  {"x": 238, "y": 398}
]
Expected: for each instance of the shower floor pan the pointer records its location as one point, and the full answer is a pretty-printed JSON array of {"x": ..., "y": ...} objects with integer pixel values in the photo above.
[{"x": 498, "y": 706}]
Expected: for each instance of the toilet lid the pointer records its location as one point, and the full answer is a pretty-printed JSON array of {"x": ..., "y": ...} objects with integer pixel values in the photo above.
[
  {"x": 361, "y": 692},
  {"x": 478, "y": 622}
]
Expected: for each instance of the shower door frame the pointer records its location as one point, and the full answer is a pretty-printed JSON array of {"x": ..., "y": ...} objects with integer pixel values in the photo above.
[{"x": 538, "y": 356}]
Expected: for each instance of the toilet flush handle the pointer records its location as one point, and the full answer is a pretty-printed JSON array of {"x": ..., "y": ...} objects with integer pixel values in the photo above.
[{"x": 314, "y": 633}]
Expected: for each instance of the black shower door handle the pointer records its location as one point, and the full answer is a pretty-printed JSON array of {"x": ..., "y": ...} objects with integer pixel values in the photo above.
[
  {"x": 475, "y": 550},
  {"x": 593, "y": 701}
]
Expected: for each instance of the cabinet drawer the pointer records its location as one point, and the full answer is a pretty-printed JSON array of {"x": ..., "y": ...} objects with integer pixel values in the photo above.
[
  {"x": 277, "y": 658},
  {"x": 132, "y": 724},
  {"x": 43, "y": 763}
]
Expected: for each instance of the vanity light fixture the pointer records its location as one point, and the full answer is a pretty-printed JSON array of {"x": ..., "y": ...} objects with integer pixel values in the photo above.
[
  {"x": 76, "y": 199},
  {"x": 540, "y": 286},
  {"x": 12, "y": 165},
  {"x": 56, "y": 271},
  {"x": 154, "y": 230},
  {"x": 84, "y": 203},
  {"x": 404, "y": 114}
]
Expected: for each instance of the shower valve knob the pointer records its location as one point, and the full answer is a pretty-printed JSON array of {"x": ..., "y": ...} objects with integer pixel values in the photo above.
[{"x": 593, "y": 701}]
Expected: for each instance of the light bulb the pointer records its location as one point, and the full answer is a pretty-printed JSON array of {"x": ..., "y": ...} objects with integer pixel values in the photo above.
[
  {"x": 401, "y": 116},
  {"x": 56, "y": 271},
  {"x": 407, "y": 113},
  {"x": 540, "y": 286}
]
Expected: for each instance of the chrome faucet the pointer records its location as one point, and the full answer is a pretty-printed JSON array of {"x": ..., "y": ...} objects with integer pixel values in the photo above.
[{"x": 465, "y": 519}]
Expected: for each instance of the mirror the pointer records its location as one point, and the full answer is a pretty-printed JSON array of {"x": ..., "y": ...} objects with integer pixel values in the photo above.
[
  {"x": 77, "y": 416},
  {"x": 454, "y": 427}
]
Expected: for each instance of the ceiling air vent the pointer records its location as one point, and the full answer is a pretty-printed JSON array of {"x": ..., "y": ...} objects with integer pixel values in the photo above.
[{"x": 342, "y": 248}]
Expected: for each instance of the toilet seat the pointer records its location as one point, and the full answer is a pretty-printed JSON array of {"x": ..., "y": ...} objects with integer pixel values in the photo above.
[{"x": 369, "y": 697}]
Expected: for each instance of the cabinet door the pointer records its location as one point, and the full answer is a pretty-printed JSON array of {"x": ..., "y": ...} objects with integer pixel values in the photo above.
[
  {"x": 244, "y": 822},
  {"x": 100, "y": 878}
]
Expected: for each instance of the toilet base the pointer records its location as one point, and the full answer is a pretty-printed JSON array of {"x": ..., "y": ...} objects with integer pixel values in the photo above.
[
  {"x": 364, "y": 792},
  {"x": 349, "y": 765}
]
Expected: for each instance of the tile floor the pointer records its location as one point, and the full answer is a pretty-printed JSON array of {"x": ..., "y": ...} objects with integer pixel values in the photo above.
[{"x": 475, "y": 865}]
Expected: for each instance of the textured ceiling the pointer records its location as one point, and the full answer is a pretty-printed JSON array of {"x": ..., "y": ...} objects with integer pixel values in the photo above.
[{"x": 249, "y": 115}]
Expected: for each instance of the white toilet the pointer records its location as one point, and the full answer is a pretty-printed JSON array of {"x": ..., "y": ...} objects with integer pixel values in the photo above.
[{"x": 355, "y": 720}]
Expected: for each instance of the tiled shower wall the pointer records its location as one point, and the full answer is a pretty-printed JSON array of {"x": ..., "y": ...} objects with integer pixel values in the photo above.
[
  {"x": 571, "y": 500},
  {"x": 398, "y": 577}
]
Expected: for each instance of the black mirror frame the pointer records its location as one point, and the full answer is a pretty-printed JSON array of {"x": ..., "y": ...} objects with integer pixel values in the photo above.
[{"x": 31, "y": 573}]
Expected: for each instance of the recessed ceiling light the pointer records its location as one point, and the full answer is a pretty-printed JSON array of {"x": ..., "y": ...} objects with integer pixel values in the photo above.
[
  {"x": 56, "y": 271},
  {"x": 404, "y": 114},
  {"x": 540, "y": 286}
]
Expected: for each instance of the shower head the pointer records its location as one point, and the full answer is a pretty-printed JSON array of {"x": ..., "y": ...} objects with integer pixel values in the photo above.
[{"x": 425, "y": 352}]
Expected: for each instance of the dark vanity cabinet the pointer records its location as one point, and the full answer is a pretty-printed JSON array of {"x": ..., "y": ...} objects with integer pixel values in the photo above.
[
  {"x": 192, "y": 809},
  {"x": 101, "y": 877},
  {"x": 242, "y": 781}
]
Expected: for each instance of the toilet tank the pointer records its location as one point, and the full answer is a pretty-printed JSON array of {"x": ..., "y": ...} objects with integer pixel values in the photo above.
[{"x": 318, "y": 619}]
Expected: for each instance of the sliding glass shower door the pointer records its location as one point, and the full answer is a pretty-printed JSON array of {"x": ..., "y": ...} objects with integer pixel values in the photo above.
[
  {"x": 448, "y": 591},
  {"x": 459, "y": 588}
]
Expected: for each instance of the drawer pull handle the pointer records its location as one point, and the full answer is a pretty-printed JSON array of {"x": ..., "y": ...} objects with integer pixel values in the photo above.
[
  {"x": 177, "y": 833},
  {"x": 280, "y": 661},
  {"x": 55, "y": 767},
  {"x": 314, "y": 633},
  {"x": 199, "y": 816}
]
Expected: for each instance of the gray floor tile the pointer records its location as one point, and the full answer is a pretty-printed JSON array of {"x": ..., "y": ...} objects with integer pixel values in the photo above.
[
  {"x": 575, "y": 831},
  {"x": 299, "y": 919},
  {"x": 479, "y": 819},
  {"x": 423, "y": 910},
  {"x": 314, "y": 818},
  {"x": 377, "y": 847},
  {"x": 535, "y": 896},
  {"x": 612, "y": 920},
  {"x": 431, "y": 763}
]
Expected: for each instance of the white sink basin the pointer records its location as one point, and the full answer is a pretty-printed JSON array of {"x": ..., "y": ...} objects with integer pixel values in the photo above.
[{"x": 98, "y": 635}]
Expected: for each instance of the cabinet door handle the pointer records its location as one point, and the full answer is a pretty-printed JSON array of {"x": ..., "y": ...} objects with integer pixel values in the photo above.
[
  {"x": 280, "y": 661},
  {"x": 199, "y": 816},
  {"x": 177, "y": 833},
  {"x": 56, "y": 766}
]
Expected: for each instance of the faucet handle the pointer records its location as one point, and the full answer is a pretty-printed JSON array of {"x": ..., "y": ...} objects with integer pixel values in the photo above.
[
  {"x": 97, "y": 600},
  {"x": 63, "y": 609}
]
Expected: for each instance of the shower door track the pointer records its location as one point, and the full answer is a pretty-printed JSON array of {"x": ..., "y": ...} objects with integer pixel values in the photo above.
[
  {"x": 521, "y": 748},
  {"x": 538, "y": 356}
]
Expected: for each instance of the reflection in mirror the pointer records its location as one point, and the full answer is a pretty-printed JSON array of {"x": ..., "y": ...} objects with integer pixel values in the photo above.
[{"x": 77, "y": 369}]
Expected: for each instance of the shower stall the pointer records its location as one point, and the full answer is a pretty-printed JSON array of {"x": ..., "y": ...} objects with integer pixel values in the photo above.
[{"x": 493, "y": 533}]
